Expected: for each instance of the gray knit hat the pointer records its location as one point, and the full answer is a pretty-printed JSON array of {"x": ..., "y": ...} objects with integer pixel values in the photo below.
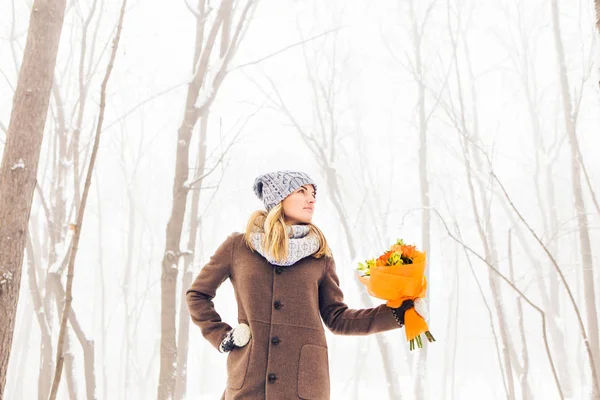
[{"x": 273, "y": 187}]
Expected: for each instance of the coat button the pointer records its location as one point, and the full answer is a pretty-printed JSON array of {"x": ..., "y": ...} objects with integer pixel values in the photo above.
[
  {"x": 277, "y": 305},
  {"x": 275, "y": 340},
  {"x": 272, "y": 378},
  {"x": 278, "y": 270}
]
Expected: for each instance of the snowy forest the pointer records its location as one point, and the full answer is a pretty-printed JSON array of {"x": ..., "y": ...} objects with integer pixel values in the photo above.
[{"x": 131, "y": 133}]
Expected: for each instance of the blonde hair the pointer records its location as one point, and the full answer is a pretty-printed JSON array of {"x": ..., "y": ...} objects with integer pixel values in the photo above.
[{"x": 275, "y": 242}]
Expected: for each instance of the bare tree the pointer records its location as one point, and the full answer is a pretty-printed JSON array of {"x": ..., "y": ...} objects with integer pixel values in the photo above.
[
  {"x": 510, "y": 284},
  {"x": 127, "y": 288},
  {"x": 547, "y": 148},
  {"x": 63, "y": 174},
  {"x": 559, "y": 271},
  {"x": 186, "y": 280},
  {"x": 21, "y": 156},
  {"x": 481, "y": 206},
  {"x": 201, "y": 93},
  {"x": 80, "y": 214},
  {"x": 195, "y": 222},
  {"x": 584, "y": 236}
]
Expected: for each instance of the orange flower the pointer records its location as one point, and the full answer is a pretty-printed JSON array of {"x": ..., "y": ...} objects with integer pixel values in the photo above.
[
  {"x": 409, "y": 251},
  {"x": 382, "y": 260}
]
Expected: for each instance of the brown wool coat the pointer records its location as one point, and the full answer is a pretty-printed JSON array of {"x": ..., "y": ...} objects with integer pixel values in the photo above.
[{"x": 287, "y": 356}]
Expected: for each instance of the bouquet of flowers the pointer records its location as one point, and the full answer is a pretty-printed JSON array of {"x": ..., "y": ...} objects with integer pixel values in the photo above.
[{"x": 398, "y": 276}]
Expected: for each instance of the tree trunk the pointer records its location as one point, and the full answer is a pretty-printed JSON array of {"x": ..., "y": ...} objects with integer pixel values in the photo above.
[
  {"x": 100, "y": 271},
  {"x": 548, "y": 296},
  {"x": 421, "y": 357},
  {"x": 87, "y": 345},
  {"x": 497, "y": 341},
  {"x": 452, "y": 327},
  {"x": 46, "y": 360},
  {"x": 483, "y": 218},
  {"x": 547, "y": 205},
  {"x": 128, "y": 340},
  {"x": 181, "y": 185},
  {"x": 168, "y": 280},
  {"x": 21, "y": 156},
  {"x": 170, "y": 268},
  {"x": 486, "y": 232},
  {"x": 188, "y": 276},
  {"x": 582, "y": 219},
  {"x": 526, "y": 393},
  {"x": 70, "y": 366}
]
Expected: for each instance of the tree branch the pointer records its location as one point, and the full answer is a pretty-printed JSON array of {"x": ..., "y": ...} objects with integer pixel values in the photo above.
[{"x": 516, "y": 289}]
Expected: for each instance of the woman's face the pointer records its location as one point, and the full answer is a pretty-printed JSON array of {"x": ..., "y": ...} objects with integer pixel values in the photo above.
[{"x": 299, "y": 206}]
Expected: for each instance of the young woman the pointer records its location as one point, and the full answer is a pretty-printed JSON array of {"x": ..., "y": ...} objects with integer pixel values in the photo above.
[{"x": 284, "y": 279}]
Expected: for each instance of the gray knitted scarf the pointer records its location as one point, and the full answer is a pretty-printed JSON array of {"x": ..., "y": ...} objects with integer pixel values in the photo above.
[{"x": 300, "y": 245}]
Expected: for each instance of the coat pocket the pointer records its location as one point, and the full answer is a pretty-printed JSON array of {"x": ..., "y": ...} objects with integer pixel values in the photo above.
[
  {"x": 237, "y": 366},
  {"x": 313, "y": 372}
]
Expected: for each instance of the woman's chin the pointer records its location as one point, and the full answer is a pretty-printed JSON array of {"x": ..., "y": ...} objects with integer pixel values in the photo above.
[{"x": 299, "y": 221}]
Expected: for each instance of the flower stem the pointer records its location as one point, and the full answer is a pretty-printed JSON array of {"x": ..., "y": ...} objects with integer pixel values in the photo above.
[{"x": 429, "y": 336}]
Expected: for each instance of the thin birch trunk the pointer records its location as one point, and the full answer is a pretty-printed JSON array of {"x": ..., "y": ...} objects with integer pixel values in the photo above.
[
  {"x": 188, "y": 276},
  {"x": 100, "y": 271},
  {"x": 582, "y": 219},
  {"x": 181, "y": 185},
  {"x": 420, "y": 380},
  {"x": 70, "y": 366},
  {"x": 525, "y": 388},
  {"x": 46, "y": 360},
  {"x": 544, "y": 173},
  {"x": 484, "y": 225},
  {"x": 127, "y": 340}
]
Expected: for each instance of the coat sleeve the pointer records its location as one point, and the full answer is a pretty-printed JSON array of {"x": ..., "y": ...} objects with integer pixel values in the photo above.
[
  {"x": 199, "y": 296},
  {"x": 344, "y": 321}
]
